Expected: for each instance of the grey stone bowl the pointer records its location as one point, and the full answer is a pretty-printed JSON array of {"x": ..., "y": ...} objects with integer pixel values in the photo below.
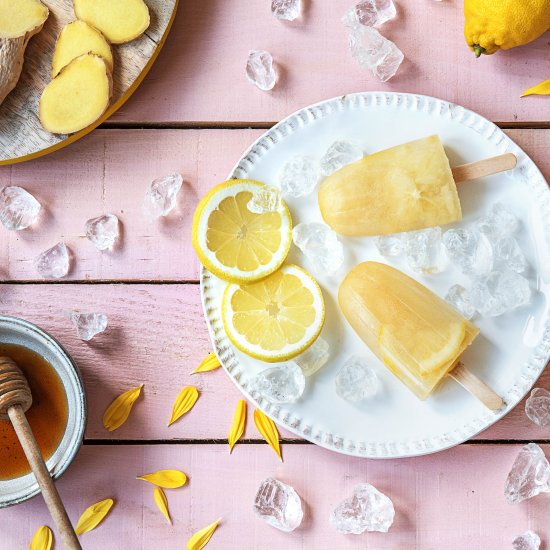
[{"x": 18, "y": 331}]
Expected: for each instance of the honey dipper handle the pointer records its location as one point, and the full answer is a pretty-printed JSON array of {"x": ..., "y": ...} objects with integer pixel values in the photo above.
[
  {"x": 476, "y": 387},
  {"x": 45, "y": 482},
  {"x": 485, "y": 167}
]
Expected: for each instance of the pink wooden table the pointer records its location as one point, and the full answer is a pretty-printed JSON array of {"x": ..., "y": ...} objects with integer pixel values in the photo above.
[{"x": 195, "y": 114}]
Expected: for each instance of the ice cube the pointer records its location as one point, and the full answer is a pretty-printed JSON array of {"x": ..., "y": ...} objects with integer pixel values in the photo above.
[
  {"x": 87, "y": 325},
  {"x": 528, "y": 541},
  {"x": 349, "y": 19},
  {"x": 375, "y": 12},
  {"x": 299, "y": 176},
  {"x": 423, "y": 249},
  {"x": 499, "y": 292},
  {"x": 367, "y": 510},
  {"x": 498, "y": 223},
  {"x": 529, "y": 476},
  {"x": 320, "y": 245},
  {"x": 374, "y": 52},
  {"x": 459, "y": 298},
  {"x": 311, "y": 360},
  {"x": 280, "y": 384},
  {"x": 54, "y": 262},
  {"x": 288, "y": 10},
  {"x": 356, "y": 381},
  {"x": 390, "y": 245},
  {"x": 339, "y": 154},
  {"x": 260, "y": 70},
  {"x": 18, "y": 208},
  {"x": 537, "y": 407},
  {"x": 469, "y": 251},
  {"x": 508, "y": 255},
  {"x": 279, "y": 505},
  {"x": 266, "y": 199},
  {"x": 102, "y": 231},
  {"x": 160, "y": 197}
]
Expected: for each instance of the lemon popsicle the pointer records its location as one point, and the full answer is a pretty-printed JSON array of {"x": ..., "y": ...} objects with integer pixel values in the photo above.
[
  {"x": 417, "y": 335},
  {"x": 404, "y": 188}
]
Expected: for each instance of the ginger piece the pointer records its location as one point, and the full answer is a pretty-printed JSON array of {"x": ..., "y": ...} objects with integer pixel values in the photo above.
[
  {"x": 119, "y": 20},
  {"x": 76, "y": 39},
  {"x": 20, "y": 20},
  {"x": 77, "y": 96}
]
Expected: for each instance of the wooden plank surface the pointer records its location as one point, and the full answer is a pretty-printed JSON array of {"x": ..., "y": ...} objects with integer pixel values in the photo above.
[
  {"x": 109, "y": 171},
  {"x": 148, "y": 342},
  {"x": 452, "y": 499},
  {"x": 200, "y": 74}
]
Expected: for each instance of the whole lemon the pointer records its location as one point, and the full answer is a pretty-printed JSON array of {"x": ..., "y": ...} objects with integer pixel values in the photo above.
[{"x": 493, "y": 25}]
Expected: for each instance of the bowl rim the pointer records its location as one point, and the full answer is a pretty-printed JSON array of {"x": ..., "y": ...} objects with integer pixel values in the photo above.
[{"x": 81, "y": 413}]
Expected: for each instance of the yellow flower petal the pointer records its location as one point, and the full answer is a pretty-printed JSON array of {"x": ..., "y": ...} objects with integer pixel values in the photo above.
[
  {"x": 268, "y": 430},
  {"x": 162, "y": 503},
  {"x": 118, "y": 411},
  {"x": 237, "y": 428},
  {"x": 42, "y": 539},
  {"x": 200, "y": 538},
  {"x": 210, "y": 362},
  {"x": 184, "y": 403},
  {"x": 93, "y": 516},
  {"x": 168, "y": 479},
  {"x": 543, "y": 88}
]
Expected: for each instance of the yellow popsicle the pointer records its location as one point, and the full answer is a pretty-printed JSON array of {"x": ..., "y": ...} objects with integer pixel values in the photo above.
[
  {"x": 403, "y": 188},
  {"x": 417, "y": 335}
]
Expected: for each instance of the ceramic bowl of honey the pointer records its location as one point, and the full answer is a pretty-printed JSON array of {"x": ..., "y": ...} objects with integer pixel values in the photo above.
[{"x": 57, "y": 415}]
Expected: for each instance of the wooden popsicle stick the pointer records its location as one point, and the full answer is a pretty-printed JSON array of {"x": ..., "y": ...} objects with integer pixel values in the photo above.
[
  {"x": 45, "y": 482},
  {"x": 485, "y": 167},
  {"x": 476, "y": 387}
]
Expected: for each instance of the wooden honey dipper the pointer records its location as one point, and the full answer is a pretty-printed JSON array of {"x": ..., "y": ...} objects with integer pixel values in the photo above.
[{"x": 15, "y": 400}]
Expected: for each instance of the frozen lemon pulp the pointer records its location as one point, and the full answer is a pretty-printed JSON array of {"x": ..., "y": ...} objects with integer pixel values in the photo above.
[
  {"x": 418, "y": 336},
  {"x": 234, "y": 243},
  {"x": 276, "y": 318},
  {"x": 404, "y": 188}
]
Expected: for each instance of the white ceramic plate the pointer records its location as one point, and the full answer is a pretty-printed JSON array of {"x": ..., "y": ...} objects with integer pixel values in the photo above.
[{"x": 511, "y": 351}]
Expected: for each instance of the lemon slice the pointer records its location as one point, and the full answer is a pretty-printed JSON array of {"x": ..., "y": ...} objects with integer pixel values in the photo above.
[
  {"x": 425, "y": 350},
  {"x": 232, "y": 242},
  {"x": 276, "y": 318}
]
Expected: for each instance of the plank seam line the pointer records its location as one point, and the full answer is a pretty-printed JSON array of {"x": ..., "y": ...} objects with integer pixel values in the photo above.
[
  {"x": 265, "y": 125},
  {"x": 103, "y": 282},
  {"x": 129, "y": 442}
]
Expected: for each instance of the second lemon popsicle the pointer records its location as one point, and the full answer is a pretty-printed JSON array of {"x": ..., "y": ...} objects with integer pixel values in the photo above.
[
  {"x": 404, "y": 188},
  {"x": 417, "y": 335}
]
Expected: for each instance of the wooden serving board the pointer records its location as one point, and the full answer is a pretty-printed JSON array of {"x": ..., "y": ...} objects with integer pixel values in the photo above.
[{"x": 21, "y": 134}]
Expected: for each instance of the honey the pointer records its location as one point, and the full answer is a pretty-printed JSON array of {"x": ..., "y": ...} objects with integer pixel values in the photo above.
[{"x": 47, "y": 415}]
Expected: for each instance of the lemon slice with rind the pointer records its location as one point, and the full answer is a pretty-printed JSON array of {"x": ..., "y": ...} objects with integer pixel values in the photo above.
[
  {"x": 234, "y": 243},
  {"x": 276, "y": 318}
]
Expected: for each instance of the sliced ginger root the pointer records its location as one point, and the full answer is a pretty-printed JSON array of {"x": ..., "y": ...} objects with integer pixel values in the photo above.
[
  {"x": 20, "y": 20},
  {"x": 76, "y": 39},
  {"x": 77, "y": 96},
  {"x": 20, "y": 17},
  {"x": 119, "y": 20}
]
